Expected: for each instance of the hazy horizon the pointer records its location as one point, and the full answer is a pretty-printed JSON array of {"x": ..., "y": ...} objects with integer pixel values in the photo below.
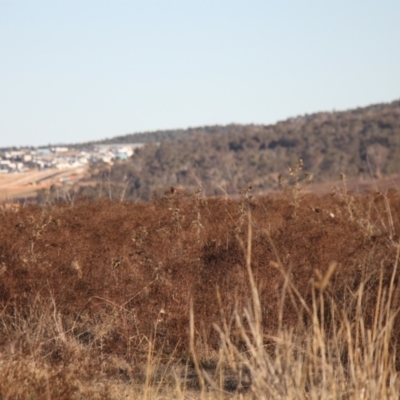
[{"x": 80, "y": 71}]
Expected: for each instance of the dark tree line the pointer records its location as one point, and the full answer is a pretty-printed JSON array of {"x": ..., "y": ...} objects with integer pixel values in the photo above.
[{"x": 363, "y": 142}]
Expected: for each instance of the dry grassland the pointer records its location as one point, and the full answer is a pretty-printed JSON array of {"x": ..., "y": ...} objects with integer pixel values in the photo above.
[
  {"x": 25, "y": 185},
  {"x": 283, "y": 297}
]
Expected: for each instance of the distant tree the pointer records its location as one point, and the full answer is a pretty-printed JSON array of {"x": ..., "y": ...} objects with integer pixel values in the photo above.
[
  {"x": 228, "y": 158},
  {"x": 377, "y": 154}
]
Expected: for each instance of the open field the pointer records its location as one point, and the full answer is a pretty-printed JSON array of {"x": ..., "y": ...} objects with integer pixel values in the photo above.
[
  {"x": 356, "y": 185},
  {"x": 25, "y": 184},
  {"x": 290, "y": 296}
]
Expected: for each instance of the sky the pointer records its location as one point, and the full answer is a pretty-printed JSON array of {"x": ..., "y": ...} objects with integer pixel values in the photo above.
[{"x": 80, "y": 70}]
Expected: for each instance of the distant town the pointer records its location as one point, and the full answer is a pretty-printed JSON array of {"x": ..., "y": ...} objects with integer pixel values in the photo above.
[{"x": 62, "y": 157}]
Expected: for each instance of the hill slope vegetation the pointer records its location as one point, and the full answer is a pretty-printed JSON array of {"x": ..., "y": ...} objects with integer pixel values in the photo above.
[{"x": 362, "y": 143}]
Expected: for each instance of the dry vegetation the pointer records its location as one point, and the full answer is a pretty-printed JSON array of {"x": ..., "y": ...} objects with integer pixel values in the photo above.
[{"x": 283, "y": 297}]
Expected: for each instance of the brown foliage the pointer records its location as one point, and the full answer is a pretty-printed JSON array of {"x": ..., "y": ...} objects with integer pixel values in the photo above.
[{"x": 112, "y": 275}]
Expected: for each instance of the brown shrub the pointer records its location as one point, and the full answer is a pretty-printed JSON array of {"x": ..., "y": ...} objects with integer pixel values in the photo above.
[{"x": 106, "y": 277}]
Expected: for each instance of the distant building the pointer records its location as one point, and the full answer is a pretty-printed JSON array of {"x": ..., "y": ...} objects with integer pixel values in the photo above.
[
  {"x": 43, "y": 152},
  {"x": 121, "y": 156},
  {"x": 59, "y": 149},
  {"x": 128, "y": 148}
]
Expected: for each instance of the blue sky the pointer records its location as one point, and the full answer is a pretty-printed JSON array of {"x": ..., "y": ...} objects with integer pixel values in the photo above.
[{"x": 80, "y": 70}]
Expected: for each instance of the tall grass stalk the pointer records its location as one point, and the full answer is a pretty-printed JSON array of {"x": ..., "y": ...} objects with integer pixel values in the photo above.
[{"x": 336, "y": 354}]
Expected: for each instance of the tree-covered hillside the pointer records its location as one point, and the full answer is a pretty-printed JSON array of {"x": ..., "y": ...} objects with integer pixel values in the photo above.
[{"x": 363, "y": 142}]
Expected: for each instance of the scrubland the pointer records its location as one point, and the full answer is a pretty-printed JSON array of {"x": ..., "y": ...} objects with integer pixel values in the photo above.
[{"x": 288, "y": 296}]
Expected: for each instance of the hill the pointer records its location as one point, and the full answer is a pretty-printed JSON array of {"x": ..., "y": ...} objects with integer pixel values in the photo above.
[{"x": 361, "y": 143}]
